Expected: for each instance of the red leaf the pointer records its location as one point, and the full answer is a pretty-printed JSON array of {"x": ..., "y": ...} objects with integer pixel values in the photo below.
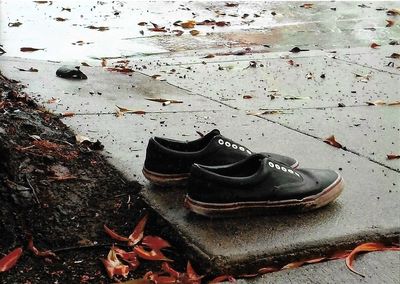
[
  {"x": 389, "y": 23},
  {"x": 114, "y": 235},
  {"x": 247, "y": 97},
  {"x": 47, "y": 253},
  {"x": 392, "y": 156},
  {"x": 155, "y": 242},
  {"x": 150, "y": 255},
  {"x": 302, "y": 262},
  {"x": 10, "y": 260},
  {"x": 366, "y": 247},
  {"x": 137, "y": 234},
  {"x": 266, "y": 270},
  {"x": 192, "y": 275},
  {"x": 331, "y": 141},
  {"x": 223, "y": 278},
  {"x": 114, "y": 266},
  {"x": 374, "y": 45},
  {"x": 168, "y": 269},
  {"x": 129, "y": 257}
]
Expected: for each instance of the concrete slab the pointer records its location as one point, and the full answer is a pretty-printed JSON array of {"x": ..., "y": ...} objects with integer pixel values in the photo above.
[
  {"x": 101, "y": 92},
  {"x": 230, "y": 81},
  {"x": 234, "y": 245},
  {"x": 377, "y": 267},
  {"x": 372, "y": 131}
]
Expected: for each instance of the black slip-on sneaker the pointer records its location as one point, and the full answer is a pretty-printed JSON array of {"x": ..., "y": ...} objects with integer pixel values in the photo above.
[
  {"x": 168, "y": 161},
  {"x": 259, "y": 185}
]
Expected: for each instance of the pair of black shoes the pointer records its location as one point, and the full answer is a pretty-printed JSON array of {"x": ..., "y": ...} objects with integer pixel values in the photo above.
[{"x": 224, "y": 178}]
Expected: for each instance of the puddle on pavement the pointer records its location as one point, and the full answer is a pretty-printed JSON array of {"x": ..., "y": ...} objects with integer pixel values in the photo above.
[{"x": 278, "y": 24}]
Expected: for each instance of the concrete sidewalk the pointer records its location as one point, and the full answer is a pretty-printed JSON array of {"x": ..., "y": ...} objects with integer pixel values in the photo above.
[{"x": 296, "y": 101}]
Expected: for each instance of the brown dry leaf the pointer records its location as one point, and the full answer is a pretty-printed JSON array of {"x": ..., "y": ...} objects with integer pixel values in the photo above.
[
  {"x": 395, "y": 103},
  {"x": 231, "y": 4},
  {"x": 296, "y": 98},
  {"x": 30, "y": 49},
  {"x": 59, "y": 19},
  {"x": 194, "y": 32},
  {"x": 67, "y": 114},
  {"x": 15, "y": 24},
  {"x": 162, "y": 29},
  {"x": 395, "y": 55},
  {"x": 156, "y": 76},
  {"x": 85, "y": 64},
  {"x": 41, "y": 2},
  {"x": 142, "y": 23},
  {"x": 307, "y": 5},
  {"x": 120, "y": 69},
  {"x": 122, "y": 111},
  {"x": 332, "y": 141},
  {"x": 376, "y": 103},
  {"x": 390, "y": 23},
  {"x": 177, "y": 32},
  {"x": 222, "y": 24},
  {"x": 100, "y": 29},
  {"x": 393, "y": 12},
  {"x": 28, "y": 70},
  {"x": 374, "y": 45},
  {"x": 103, "y": 62},
  {"x": 247, "y": 97},
  {"x": 160, "y": 100},
  {"x": 392, "y": 156},
  {"x": 209, "y": 56},
  {"x": 366, "y": 247},
  {"x": 188, "y": 24}
]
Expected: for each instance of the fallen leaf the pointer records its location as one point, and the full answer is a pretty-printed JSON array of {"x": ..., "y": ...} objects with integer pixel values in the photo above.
[
  {"x": 332, "y": 141},
  {"x": 41, "y": 2},
  {"x": 266, "y": 270},
  {"x": 67, "y": 114},
  {"x": 194, "y": 278},
  {"x": 296, "y": 98},
  {"x": 15, "y": 24},
  {"x": 156, "y": 76},
  {"x": 28, "y": 70},
  {"x": 177, "y": 32},
  {"x": 100, "y": 29},
  {"x": 302, "y": 262},
  {"x": 122, "y": 111},
  {"x": 168, "y": 269},
  {"x": 395, "y": 55},
  {"x": 223, "y": 278},
  {"x": 395, "y": 103},
  {"x": 307, "y": 5},
  {"x": 142, "y": 23},
  {"x": 120, "y": 69},
  {"x": 150, "y": 255},
  {"x": 114, "y": 266},
  {"x": 85, "y": 64},
  {"x": 160, "y": 100},
  {"x": 155, "y": 243},
  {"x": 30, "y": 49},
  {"x": 366, "y": 247},
  {"x": 209, "y": 56},
  {"x": 222, "y": 24},
  {"x": 297, "y": 49},
  {"x": 393, "y": 12},
  {"x": 189, "y": 24},
  {"x": 376, "y": 103},
  {"x": 32, "y": 248},
  {"x": 265, "y": 112},
  {"x": 137, "y": 234},
  {"x": 231, "y": 4},
  {"x": 59, "y": 19},
  {"x": 194, "y": 32},
  {"x": 114, "y": 235},
  {"x": 389, "y": 23},
  {"x": 392, "y": 156},
  {"x": 128, "y": 257},
  {"x": 66, "y": 9},
  {"x": 10, "y": 260},
  {"x": 374, "y": 45},
  {"x": 247, "y": 97}
]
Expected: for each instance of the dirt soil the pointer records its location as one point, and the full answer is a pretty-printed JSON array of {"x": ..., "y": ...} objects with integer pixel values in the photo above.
[{"x": 61, "y": 193}]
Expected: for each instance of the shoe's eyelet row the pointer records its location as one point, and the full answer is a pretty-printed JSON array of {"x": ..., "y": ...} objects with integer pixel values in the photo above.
[
  {"x": 234, "y": 146},
  {"x": 282, "y": 168}
]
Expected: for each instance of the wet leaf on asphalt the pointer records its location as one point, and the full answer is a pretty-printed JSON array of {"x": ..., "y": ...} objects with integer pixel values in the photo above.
[
  {"x": 10, "y": 260},
  {"x": 28, "y": 70},
  {"x": 30, "y": 49},
  {"x": 32, "y": 248},
  {"x": 392, "y": 156},
  {"x": 366, "y": 247},
  {"x": 15, "y": 24},
  {"x": 374, "y": 45},
  {"x": 332, "y": 141}
]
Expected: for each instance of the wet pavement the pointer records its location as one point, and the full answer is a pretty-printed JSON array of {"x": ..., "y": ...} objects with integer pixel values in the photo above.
[{"x": 294, "y": 101}]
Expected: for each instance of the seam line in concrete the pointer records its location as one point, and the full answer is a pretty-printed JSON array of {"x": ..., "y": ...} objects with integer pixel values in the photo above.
[
  {"x": 367, "y": 66},
  {"x": 147, "y": 112}
]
